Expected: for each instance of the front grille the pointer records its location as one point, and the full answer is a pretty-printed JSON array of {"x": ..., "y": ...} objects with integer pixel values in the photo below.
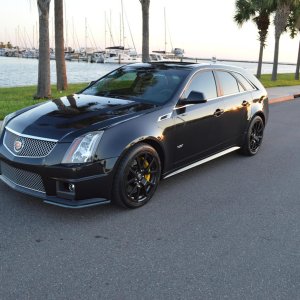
[
  {"x": 30, "y": 146},
  {"x": 22, "y": 178}
]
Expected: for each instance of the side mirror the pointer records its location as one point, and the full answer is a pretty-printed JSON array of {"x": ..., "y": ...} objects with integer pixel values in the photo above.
[{"x": 193, "y": 98}]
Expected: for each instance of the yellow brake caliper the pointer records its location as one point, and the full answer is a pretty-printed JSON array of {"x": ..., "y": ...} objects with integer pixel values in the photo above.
[{"x": 146, "y": 165}]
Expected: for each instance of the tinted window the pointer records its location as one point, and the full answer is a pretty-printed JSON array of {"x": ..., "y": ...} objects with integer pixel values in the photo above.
[
  {"x": 244, "y": 82},
  {"x": 228, "y": 83},
  {"x": 203, "y": 82},
  {"x": 145, "y": 84}
]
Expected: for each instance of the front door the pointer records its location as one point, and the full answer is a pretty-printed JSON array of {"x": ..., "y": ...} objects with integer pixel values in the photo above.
[{"x": 197, "y": 131}]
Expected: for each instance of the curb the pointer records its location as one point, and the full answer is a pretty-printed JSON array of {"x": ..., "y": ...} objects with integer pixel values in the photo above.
[{"x": 283, "y": 99}]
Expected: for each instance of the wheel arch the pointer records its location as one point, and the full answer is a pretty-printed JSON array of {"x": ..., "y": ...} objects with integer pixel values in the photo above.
[
  {"x": 159, "y": 149},
  {"x": 149, "y": 141},
  {"x": 260, "y": 114}
]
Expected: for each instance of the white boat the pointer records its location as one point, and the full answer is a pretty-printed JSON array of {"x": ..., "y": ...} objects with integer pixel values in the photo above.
[
  {"x": 163, "y": 56},
  {"x": 178, "y": 51},
  {"x": 120, "y": 55},
  {"x": 52, "y": 55},
  {"x": 30, "y": 53},
  {"x": 97, "y": 57},
  {"x": 214, "y": 59},
  {"x": 122, "y": 58},
  {"x": 154, "y": 57}
]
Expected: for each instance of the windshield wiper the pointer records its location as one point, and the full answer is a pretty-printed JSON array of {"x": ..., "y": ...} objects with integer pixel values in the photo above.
[{"x": 118, "y": 96}]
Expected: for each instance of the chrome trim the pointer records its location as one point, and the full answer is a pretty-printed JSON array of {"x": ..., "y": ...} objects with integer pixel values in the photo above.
[
  {"x": 184, "y": 106},
  {"x": 234, "y": 94},
  {"x": 218, "y": 68},
  {"x": 10, "y": 182},
  {"x": 31, "y": 136},
  {"x": 16, "y": 155},
  {"x": 200, "y": 162},
  {"x": 164, "y": 117}
]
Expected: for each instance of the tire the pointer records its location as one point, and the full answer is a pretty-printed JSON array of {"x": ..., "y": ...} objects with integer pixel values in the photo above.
[
  {"x": 137, "y": 176},
  {"x": 254, "y": 136}
]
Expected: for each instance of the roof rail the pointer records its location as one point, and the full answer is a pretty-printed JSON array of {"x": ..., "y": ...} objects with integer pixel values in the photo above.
[{"x": 173, "y": 62}]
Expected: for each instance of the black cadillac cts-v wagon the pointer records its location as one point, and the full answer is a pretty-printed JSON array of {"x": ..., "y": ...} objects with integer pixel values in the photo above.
[{"x": 116, "y": 139}]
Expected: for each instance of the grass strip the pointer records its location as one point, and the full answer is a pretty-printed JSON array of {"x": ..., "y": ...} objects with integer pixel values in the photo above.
[
  {"x": 14, "y": 98},
  {"x": 282, "y": 80}
]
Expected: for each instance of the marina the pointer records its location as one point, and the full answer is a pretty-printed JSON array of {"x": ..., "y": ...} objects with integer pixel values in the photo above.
[{"x": 21, "y": 72}]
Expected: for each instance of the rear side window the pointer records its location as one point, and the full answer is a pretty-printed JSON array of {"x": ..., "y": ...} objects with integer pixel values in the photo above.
[
  {"x": 228, "y": 83},
  {"x": 203, "y": 82},
  {"x": 244, "y": 82}
]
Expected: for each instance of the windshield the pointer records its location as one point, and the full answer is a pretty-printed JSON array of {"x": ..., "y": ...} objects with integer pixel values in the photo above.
[{"x": 144, "y": 84}]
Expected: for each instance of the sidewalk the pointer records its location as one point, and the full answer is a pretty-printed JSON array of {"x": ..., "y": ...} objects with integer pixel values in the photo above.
[
  {"x": 285, "y": 93},
  {"x": 278, "y": 94}
]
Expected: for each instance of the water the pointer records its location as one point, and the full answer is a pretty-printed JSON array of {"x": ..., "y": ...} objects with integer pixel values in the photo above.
[
  {"x": 24, "y": 71},
  {"x": 21, "y": 71}
]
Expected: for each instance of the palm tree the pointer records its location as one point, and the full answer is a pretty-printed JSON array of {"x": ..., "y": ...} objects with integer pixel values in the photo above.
[
  {"x": 145, "y": 48},
  {"x": 294, "y": 27},
  {"x": 259, "y": 12},
  {"x": 283, "y": 11},
  {"x": 43, "y": 88},
  {"x": 61, "y": 73}
]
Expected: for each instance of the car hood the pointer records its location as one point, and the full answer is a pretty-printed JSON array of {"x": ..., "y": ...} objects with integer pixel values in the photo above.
[{"x": 66, "y": 116}]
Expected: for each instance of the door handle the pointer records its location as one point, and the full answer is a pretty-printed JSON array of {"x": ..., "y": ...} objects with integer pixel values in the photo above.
[
  {"x": 245, "y": 103},
  {"x": 219, "y": 112}
]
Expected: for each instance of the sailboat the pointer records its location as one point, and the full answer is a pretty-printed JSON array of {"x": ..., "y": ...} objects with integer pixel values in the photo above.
[
  {"x": 120, "y": 54},
  {"x": 163, "y": 55}
]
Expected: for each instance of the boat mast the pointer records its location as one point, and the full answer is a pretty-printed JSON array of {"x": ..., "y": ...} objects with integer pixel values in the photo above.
[
  {"x": 66, "y": 24},
  {"x": 165, "y": 30},
  {"x": 130, "y": 33},
  {"x": 110, "y": 32},
  {"x": 123, "y": 23},
  {"x": 120, "y": 38},
  {"x": 86, "y": 35},
  {"x": 105, "y": 30}
]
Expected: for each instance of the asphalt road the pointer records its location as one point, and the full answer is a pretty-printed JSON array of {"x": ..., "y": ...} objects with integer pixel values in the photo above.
[{"x": 229, "y": 229}]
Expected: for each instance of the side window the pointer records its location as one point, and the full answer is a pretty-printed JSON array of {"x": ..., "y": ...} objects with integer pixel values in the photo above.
[
  {"x": 228, "y": 83},
  {"x": 203, "y": 82},
  {"x": 244, "y": 82}
]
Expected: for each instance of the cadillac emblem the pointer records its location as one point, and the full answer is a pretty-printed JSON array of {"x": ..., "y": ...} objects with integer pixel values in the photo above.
[{"x": 18, "y": 145}]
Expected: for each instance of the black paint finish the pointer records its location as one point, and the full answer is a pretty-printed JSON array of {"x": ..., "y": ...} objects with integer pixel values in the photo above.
[{"x": 181, "y": 134}]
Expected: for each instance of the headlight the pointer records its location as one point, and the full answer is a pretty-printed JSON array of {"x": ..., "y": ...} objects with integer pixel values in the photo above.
[
  {"x": 83, "y": 148},
  {"x": 4, "y": 123}
]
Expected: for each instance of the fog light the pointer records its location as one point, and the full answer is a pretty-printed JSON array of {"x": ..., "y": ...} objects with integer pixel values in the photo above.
[{"x": 71, "y": 187}]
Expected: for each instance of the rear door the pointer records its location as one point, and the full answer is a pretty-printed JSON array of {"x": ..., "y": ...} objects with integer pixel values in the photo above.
[{"x": 236, "y": 102}]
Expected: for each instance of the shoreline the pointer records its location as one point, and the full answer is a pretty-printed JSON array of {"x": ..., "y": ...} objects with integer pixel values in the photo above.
[
  {"x": 200, "y": 58},
  {"x": 241, "y": 61}
]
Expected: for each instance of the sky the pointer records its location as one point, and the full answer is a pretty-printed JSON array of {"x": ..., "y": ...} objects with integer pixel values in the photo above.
[{"x": 203, "y": 28}]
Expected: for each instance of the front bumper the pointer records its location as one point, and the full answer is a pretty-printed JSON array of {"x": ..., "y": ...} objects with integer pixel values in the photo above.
[{"x": 92, "y": 182}]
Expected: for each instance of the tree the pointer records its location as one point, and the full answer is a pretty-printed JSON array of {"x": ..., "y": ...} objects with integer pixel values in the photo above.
[
  {"x": 43, "y": 88},
  {"x": 61, "y": 74},
  {"x": 145, "y": 48},
  {"x": 294, "y": 27},
  {"x": 283, "y": 10},
  {"x": 259, "y": 12}
]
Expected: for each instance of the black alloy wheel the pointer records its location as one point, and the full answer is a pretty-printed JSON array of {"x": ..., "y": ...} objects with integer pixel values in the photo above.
[
  {"x": 137, "y": 176},
  {"x": 254, "y": 137}
]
